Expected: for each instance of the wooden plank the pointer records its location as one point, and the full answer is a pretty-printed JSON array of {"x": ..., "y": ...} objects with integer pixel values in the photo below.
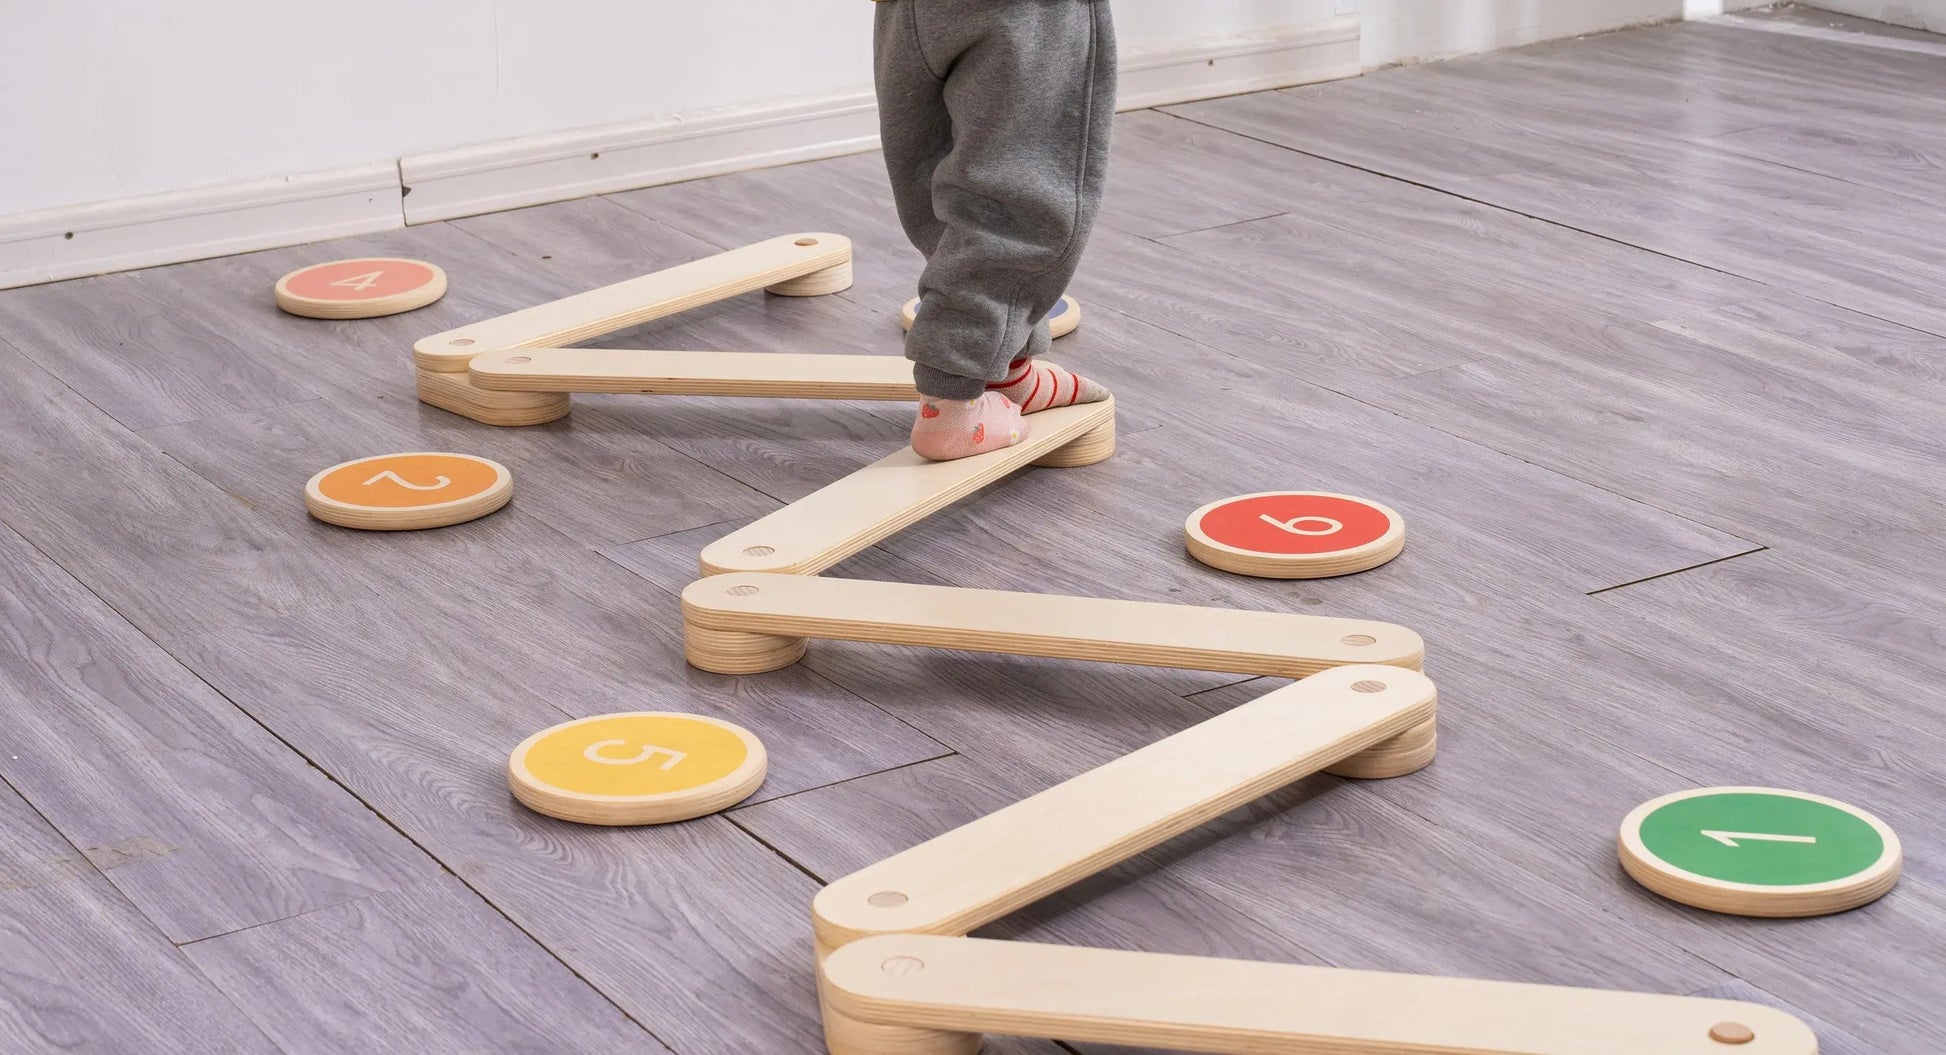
[
  {"x": 1106, "y": 630},
  {"x": 776, "y": 375},
  {"x": 570, "y": 320},
  {"x": 893, "y": 493},
  {"x": 1015, "y": 856},
  {"x": 969, "y": 985},
  {"x": 84, "y": 971},
  {"x": 183, "y": 801},
  {"x": 426, "y": 968}
]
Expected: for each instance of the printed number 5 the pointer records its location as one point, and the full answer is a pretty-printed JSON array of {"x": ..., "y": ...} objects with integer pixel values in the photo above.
[{"x": 593, "y": 754}]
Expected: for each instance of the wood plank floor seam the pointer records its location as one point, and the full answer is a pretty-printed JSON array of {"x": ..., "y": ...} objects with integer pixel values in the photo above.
[{"x": 1676, "y": 571}]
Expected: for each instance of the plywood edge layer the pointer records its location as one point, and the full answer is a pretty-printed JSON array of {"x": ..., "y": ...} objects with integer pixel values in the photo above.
[
  {"x": 646, "y": 372},
  {"x": 638, "y": 300},
  {"x": 1017, "y": 855},
  {"x": 1098, "y": 629},
  {"x": 970, "y": 985}
]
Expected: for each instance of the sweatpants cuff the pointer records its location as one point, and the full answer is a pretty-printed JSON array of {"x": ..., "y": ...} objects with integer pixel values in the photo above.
[{"x": 941, "y": 385}]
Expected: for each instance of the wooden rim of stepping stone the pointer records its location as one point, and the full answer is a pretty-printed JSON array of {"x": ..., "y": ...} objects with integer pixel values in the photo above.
[
  {"x": 360, "y": 288},
  {"x": 636, "y": 767},
  {"x": 1294, "y": 534},
  {"x": 408, "y": 491},
  {"x": 1061, "y": 319},
  {"x": 1751, "y": 851}
]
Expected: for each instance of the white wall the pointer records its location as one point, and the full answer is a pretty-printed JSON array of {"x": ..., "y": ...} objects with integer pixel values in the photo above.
[
  {"x": 110, "y": 99},
  {"x": 1918, "y": 14},
  {"x": 1419, "y": 30}
]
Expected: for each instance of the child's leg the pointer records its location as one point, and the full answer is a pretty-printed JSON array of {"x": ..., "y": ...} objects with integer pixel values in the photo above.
[{"x": 995, "y": 117}]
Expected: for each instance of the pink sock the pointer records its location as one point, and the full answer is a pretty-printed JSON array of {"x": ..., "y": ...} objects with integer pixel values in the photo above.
[
  {"x": 959, "y": 428},
  {"x": 1036, "y": 386}
]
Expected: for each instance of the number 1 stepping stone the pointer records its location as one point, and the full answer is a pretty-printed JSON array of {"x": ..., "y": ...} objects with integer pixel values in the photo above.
[
  {"x": 1760, "y": 852},
  {"x": 405, "y": 492},
  {"x": 638, "y": 767},
  {"x": 362, "y": 288},
  {"x": 1294, "y": 534}
]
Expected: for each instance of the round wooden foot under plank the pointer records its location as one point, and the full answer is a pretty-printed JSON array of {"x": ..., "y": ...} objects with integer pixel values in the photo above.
[
  {"x": 638, "y": 767},
  {"x": 739, "y": 652},
  {"x": 1061, "y": 319},
  {"x": 457, "y": 394},
  {"x": 833, "y": 279},
  {"x": 1408, "y": 752},
  {"x": 1760, "y": 852},
  {"x": 1294, "y": 534},
  {"x": 1095, "y": 445},
  {"x": 409, "y": 491},
  {"x": 362, "y": 288}
]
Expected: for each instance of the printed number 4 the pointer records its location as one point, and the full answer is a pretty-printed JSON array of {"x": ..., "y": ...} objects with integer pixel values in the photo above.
[
  {"x": 593, "y": 754},
  {"x": 362, "y": 282}
]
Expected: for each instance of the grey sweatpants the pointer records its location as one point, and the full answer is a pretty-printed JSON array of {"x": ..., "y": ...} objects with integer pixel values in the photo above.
[{"x": 995, "y": 116}]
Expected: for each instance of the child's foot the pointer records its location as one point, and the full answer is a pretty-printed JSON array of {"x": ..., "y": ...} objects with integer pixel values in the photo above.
[
  {"x": 1037, "y": 386},
  {"x": 960, "y": 428}
]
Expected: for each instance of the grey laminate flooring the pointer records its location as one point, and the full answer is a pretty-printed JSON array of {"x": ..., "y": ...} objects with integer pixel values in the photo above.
[{"x": 1644, "y": 333}]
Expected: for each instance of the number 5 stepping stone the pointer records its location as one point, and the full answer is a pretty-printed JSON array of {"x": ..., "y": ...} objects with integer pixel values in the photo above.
[
  {"x": 405, "y": 492},
  {"x": 641, "y": 767},
  {"x": 752, "y": 622}
]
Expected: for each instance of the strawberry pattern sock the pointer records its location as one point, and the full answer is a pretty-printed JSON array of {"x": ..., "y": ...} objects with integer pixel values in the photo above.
[{"x": 959, "y": 428}]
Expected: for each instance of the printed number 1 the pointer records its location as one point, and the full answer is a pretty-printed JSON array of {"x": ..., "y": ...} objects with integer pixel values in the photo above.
[
  {"x": 593, "y": 754},
  {"x": 362, "y": 282}
]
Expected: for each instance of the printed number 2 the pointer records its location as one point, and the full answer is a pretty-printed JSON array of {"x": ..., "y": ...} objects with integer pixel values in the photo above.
[
  {"x": 361, "y": 283},
  {"x": 593, "y": 754},
  {"x": 397, "y": 479}
]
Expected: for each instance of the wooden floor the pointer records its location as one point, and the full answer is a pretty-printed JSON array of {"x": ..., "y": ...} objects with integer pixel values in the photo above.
[{"x": 1644, "y": 334}]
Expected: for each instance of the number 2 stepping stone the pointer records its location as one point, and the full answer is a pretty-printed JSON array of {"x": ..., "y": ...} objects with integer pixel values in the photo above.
[
  {"x": 1760, "y": 852},
  {"x": 1294, "y": 534},
  {"x": 638, "y": 767},
  {"x": 362, "y": 288},
  {"x": 405, "y": 492}
]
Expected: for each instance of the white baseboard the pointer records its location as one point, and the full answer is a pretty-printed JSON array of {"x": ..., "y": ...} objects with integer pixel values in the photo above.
[
  {"x": 554, "y": 167},
  {"x": 92, "y": 239},
  {"x": 1275, "y": 58},
  {"x": 72, "y": 241}
]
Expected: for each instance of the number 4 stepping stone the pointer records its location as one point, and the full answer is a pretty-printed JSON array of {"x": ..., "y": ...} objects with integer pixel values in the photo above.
[
  {"x": 405, "y": 492},
  {"x": 639, "y": 767},
  {"x": 362, "y": 288},
  {"x": 1760, "y": 852}
]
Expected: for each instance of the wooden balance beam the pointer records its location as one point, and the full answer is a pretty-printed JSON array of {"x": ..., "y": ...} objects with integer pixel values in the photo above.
[
  {"x": 1015, "y": 856},
  {"x": 795, "y": 265},
  {"x": 767, "y": 375},
  {"x": 916, "y": 994},
  {"x": 752, "y": 622},
  {"x": 895, "y": 492}
]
